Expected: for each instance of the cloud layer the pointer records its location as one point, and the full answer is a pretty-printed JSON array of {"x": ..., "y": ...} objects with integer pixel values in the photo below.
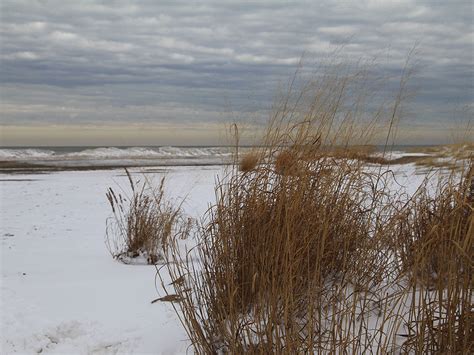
[{"x": 89, "y": 62}]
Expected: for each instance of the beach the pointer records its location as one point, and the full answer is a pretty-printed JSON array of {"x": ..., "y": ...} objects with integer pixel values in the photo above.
[{"x": 62, "y": 292}]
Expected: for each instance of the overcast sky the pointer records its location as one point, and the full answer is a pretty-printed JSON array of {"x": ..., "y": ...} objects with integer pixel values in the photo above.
[{"x": 168, "y": 72}]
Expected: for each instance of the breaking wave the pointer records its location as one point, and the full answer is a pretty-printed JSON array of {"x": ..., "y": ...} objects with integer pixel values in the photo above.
[
  {"x": 113, "y": 153},
  {"x": 20, "y": 154}
]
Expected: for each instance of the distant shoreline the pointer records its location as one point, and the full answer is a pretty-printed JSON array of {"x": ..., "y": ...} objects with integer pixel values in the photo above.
[
  {"x": 51, "y": 159},
  {"x": 12, "y": 167}
]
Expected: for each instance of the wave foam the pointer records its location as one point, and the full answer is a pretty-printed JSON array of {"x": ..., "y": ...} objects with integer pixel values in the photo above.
[
  {"x": 31, "y": 154},
  {"x": 24, "y": 154}
]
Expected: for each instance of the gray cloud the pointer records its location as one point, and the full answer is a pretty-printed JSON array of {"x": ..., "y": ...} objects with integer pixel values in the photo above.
[{"x": 139, "y": 61}]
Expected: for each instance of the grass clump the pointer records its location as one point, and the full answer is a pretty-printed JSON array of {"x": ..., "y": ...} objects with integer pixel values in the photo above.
[
  {"x": 289, "y": 251},
  {"x": 436, "y": 227},
  {"x": 312, "y": 251},
  {"x": 436, "y": 252},
  {"x": 142, "y": 223},
  {"x": 249, "y": 161},
  {"x": 278, "y": 231}
]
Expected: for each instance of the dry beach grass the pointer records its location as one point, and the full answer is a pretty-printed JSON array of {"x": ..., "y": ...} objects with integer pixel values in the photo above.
[
  {"x": 308, "y": 249},
  {"x": 143, "y": 222},
  {"x": 435, "y": 250}
]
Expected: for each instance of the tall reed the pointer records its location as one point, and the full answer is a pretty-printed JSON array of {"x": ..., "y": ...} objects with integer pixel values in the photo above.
[
  {"x": 292, "y": 248},
  {"x": 436, "y": 248},
  {"x": 312, "y": 250}
]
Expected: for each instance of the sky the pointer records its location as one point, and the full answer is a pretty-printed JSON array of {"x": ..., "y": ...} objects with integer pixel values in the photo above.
[{"x": 176, "y": 73}]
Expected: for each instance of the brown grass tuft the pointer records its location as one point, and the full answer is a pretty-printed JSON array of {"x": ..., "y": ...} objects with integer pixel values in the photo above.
[
  {"x": 435, "y": 225},
  {"x": 143, "y": 223},
  {"x": 249, "y": 162},
  {"x": 312, "y": 251},
  {"x": 288, "y": 251},
  {"x": 286, "y": 162},
  {"x": 436, "y": 236}
]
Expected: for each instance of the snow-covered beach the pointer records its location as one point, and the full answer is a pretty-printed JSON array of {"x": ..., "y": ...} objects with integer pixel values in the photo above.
[
  {"x": 61, "y": 290},
  {"x": 265, "y": 177}
]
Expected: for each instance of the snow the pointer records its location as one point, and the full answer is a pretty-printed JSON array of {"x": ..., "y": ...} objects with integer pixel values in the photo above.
[
  {"x": 61, "y": 290},
  {"x": 400, "y": 154}
]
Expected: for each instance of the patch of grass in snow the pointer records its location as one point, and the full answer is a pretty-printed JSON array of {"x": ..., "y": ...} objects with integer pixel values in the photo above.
[
  {"x": 435, "y": 248},
  {"x": 142, "y": 223},
  {"x": 311, "y": 252},
  {"x": 292, "y": 251}
]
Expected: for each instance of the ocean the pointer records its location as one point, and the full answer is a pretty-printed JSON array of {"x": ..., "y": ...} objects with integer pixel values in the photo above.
[{"x": 116, "y": 156}]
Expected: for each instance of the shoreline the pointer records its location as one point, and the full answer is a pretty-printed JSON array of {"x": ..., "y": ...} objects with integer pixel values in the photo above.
[{"x": 18, "y": 167}]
